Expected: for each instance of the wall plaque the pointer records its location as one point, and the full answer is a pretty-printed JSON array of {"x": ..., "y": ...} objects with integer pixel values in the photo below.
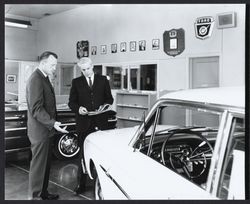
[
  {"x": 82, "y": 49},
  {"x": 204, "y": 27},
  {"x": 174, "y": 41}
]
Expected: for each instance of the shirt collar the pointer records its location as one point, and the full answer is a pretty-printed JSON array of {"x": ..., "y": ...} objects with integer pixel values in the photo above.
[
  {"x": 43, "y": 72},
  {"x": 92, "y": 78}
]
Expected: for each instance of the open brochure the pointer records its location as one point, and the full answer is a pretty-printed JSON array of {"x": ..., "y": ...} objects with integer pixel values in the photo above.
[{"x": 104, "y": 108}]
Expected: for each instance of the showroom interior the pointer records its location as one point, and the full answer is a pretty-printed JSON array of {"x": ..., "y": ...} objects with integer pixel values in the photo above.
[{"x": 145, "y": 50}]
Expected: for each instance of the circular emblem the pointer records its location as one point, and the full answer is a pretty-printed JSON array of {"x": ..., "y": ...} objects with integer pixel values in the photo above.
[{"x": 203, "y": 30}]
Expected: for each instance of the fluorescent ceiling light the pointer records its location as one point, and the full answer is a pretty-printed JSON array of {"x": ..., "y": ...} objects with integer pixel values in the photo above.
[{"x": 17, "y": 23}]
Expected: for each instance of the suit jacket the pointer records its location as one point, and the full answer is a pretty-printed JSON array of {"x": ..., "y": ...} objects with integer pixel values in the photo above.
[
  {"x": 41, "y": 104},
  {"x": 82, "y": 95}
]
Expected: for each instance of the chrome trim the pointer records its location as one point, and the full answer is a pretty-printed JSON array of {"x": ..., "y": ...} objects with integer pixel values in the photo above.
[
  {"x": 112, "y": 120},
  {"x": 153, "y": 132},
  {"x": 213, "y": 106},
  {"x": 67, "y": 124},
  {"x": 14, "y": 129},
  {"x": 223, "y": 148},
  {"x": 16, "y": 137},
  {"x": 16, "y": 150},
  {"x": 114, "y": 181},
  {"x": 216, "y": 155},
  {"x": 12, "y": 118}
]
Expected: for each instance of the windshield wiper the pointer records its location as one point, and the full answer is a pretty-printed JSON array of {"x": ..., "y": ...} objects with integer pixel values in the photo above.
[{"x": 190, "y": 128}]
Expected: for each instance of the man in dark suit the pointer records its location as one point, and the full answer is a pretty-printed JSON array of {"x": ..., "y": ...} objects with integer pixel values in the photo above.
[
  {"x": 42, "y": 124},
  {"x": 89, "y": 92}
]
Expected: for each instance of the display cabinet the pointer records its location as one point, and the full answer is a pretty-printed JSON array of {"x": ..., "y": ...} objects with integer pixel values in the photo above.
[{"x": 131, "y": 105}]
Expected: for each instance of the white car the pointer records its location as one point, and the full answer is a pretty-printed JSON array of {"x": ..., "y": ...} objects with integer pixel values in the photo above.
[{"x": 191, "y": 145}]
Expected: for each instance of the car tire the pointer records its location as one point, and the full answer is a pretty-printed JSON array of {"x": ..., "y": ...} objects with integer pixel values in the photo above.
[
  {"x": 66, "y": 146},
  {"x": 98, "y": 189}
]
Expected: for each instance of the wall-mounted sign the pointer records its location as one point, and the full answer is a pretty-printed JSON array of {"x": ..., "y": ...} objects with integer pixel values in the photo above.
[
  {"x": 174, "y": 41},
  {"x": 204, "y": 27},
  {"x": 11, "y": 78},
  {"x": 82, "y": 49}
]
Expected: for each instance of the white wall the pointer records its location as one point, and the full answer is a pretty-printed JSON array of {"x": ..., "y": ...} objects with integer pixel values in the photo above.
[
  {"x": 20, "y": 44},
  {"x": 104, "y": 25}
]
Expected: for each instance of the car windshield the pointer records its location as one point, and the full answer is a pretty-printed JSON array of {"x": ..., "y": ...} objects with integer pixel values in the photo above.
[
  {"x": 170, "y": 118},
  {"x": 181, "y": 138}
]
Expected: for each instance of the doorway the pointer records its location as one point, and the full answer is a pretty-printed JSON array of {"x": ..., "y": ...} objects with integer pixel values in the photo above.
[{"x": 204, "y": 72}]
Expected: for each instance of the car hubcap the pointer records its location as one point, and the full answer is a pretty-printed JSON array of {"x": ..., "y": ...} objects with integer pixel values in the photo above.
[{"x": 68, "y": 146}]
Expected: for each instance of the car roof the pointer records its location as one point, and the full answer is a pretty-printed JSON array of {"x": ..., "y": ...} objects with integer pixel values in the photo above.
[{"x": 229, "y": 96}]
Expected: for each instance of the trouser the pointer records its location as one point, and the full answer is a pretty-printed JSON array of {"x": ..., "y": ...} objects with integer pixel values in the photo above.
[
  {"x": 82, "y": 174},
  {"x": 39, "y": 168}
]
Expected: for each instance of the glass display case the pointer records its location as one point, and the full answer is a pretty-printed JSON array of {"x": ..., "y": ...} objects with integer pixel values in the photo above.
[{"x": 133, "y": 77}]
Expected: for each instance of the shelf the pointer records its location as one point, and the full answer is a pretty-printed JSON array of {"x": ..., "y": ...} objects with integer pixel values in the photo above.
[
  {"x": 139, "y": 93},
  {"x": 130, "y": 119},
  {"x": 132, "y": 106}
]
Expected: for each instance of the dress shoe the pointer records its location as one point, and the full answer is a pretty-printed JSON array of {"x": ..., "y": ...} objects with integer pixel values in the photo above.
[
  {"x": 79, "y": 189},
  {"x": 50, "y": 196}
]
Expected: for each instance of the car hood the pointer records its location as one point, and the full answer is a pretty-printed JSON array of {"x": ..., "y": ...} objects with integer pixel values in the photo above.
[{"x": 112, "y": 138}]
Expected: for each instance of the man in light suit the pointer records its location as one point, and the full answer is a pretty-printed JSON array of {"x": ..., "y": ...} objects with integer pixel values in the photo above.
[
  {"x": 42, "y": 124},
  {"x": 89, "y": 92}
]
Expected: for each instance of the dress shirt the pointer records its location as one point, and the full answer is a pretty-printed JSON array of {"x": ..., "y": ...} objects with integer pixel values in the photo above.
[
  {"x": 43, "y": 72},
  {"x": 92, "y": 79}
]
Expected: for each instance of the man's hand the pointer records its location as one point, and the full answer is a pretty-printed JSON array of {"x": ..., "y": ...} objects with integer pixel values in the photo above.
[
  {"x": 59, "y": 129},
  {"x": 83, "y": 111}
]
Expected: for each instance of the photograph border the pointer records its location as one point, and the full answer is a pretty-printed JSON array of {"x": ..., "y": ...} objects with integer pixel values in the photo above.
[
  {"x": 132, "y": 45},
  {"x": 141, "y": 42},
  {"x": 123, "y": 45},
  {"x": 156, "y": 47},
  {"x": 103, "y": 49}
]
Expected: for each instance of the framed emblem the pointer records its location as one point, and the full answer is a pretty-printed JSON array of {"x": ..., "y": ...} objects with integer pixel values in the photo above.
[
  {"x": 82, "y": 49},
  {"x": 174, "y": 41},
  {"x": 204, "y": 27}
]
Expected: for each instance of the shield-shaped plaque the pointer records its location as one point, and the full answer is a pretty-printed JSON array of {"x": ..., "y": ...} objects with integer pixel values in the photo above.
[
  {"x": 204, "y": 27},
  {"x": 174, "y": 41}
]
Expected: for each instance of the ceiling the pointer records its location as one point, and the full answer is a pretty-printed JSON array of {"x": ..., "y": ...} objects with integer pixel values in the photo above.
[{"x": 38, "y": 11}]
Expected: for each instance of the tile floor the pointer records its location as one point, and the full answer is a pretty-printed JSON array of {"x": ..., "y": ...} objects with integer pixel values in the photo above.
[{"x": 62, "y": 180}]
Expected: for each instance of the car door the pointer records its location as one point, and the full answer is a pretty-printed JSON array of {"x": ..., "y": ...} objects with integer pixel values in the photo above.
[{"x": 141, "y": 177}]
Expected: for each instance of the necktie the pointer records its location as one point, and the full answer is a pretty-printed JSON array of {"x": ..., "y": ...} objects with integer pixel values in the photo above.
[
  {"x": 47, "y": 78},
  {"x": 51, "y": 86},
  {"x": 90, "y": 82}
]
